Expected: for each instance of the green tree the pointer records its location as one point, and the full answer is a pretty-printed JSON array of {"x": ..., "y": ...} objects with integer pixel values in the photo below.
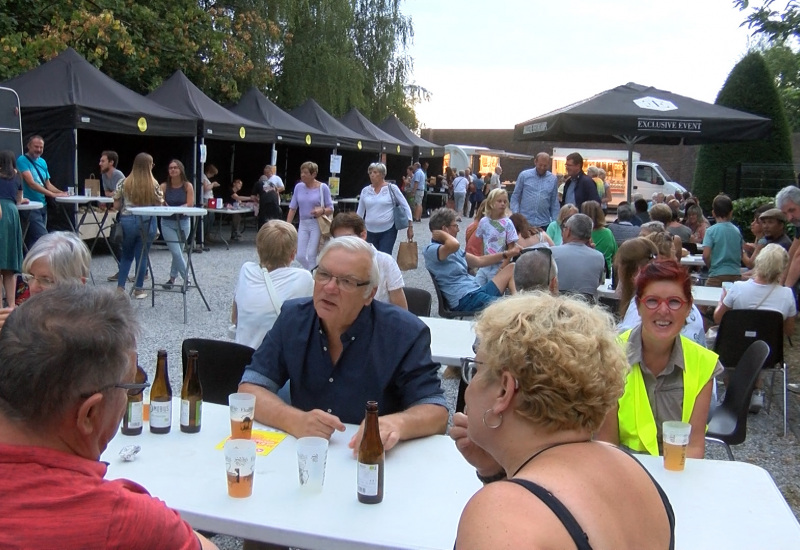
[
  {"x": 773, "y": 24},
  {"x": 750, "y": 88},
  {"x": 784, "y": 66}
]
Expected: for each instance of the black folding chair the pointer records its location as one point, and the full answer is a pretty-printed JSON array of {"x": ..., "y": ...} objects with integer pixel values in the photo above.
[
  {"x": 444, "y": 309},
  {"x": 728, "y": 424},
  {"x": 740, "y": 328},
  {"x": 221, "y": 365},
  {"x": 419, "y": 301}
]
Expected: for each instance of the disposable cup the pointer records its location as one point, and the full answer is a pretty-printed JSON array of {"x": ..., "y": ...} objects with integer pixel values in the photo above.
[
  {"x": 312, "y": 453},
  {"x": 676, "y": 439},
  {"x": 240, "y": 467},
  {"x": 70, "y": 191},
  {"x": 242, "y": 408}
]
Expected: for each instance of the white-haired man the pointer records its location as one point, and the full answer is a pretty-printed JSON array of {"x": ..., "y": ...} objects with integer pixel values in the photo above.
[{"x": 340, "y": 349}]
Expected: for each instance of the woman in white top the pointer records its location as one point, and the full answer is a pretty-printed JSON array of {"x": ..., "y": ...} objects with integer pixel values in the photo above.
[
  {"x": 262, "y": 288},
  {"x": 376, "y": 206}
]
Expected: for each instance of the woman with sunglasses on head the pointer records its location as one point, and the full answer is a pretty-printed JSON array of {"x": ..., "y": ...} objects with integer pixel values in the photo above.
[
  {"x": 531, "y": 410},
  {"x": 671, "y": 377},
  {"x": 56, "y": 258}
]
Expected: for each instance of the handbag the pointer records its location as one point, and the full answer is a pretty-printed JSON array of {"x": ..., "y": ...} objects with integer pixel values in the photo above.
[
  {"x": 325, "y": 220},
  {"x": 407, "y": 256},
  {"x": 400, "y": 217}
]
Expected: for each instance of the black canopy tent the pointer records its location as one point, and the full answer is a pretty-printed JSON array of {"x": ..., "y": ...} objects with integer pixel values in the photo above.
[
  {"x": 225, "y": 129},
  {"x": 632, "y": 113},
  {"x": 398, "y": 153},
  {"x": 357, "y": 150},
  {"x": 79, "y": 111},
  {"x": 423, "y": 149}
]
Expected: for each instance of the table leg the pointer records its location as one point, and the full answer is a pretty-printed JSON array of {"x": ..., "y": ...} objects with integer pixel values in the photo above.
[
  {"x": 190, "y": 269},
  {"x": 219, "y": 231},
  {"x": 101, "y": 231}
]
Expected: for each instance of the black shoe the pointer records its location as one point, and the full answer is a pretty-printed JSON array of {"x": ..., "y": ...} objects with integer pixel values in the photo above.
[
  {"x": 206, "y": 249},
  {"x": 168, "y": 285},
  {"x": 197, "y": 250}
]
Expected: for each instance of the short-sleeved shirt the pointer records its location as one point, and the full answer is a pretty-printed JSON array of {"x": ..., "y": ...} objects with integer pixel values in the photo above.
[
  {"x": 110, "y": 181},
  {"x": 391, "y": 278},
  {"x": 269, "y": 202},
  {"x": 681, "y": 231},
  {"x": 605, "y": 242},
  {"x": 119, "y": 194},
  {"x": 304, "y": 200},
  {"x": 784, "y": 241},
  {"x": 418, "y": 181},
  {"x": 51, "y": 499},
  {"x": 496, "y": 234},
  {"x": 581, "y": 268},
  {"x": 386, "y": 357},
  {"x": 451, "y": 274},
  {"x": 725, "y": 242},
  {"x": 9, "y": 187},
  {"x": 752, "y": 295},
  {"x": 38, "y": 169}
]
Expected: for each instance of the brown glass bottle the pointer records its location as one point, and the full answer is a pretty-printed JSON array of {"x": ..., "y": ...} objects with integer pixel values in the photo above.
[
  {"x": 161, "y": 397},
  {"x": 370, "y": 459},
  {"x": 191, "y": 396},
  {"x": 132, "y": 421}
]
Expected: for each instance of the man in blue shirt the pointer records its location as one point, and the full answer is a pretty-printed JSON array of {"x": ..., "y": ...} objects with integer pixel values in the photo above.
[
  {"x": 579, "y": 187},
  {"x": 536, "y": 193},
  {"x": 448, "y": 264},
  {"x": 340, "y": 349},
  {"x": 33, "y": 169},
  {"x": 418, "y": 188}
]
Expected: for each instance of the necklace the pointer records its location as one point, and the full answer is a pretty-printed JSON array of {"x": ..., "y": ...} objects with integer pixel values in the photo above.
[{"x": 540, "y": 451}]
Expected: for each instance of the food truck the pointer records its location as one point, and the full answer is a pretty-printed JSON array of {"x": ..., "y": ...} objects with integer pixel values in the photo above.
[
  {"x": 648, "y": 177},
  {"x": 481, "y": 160}
]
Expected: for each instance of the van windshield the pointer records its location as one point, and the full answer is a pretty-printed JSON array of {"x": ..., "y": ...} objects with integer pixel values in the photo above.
[{"x": 663, "y": 173}]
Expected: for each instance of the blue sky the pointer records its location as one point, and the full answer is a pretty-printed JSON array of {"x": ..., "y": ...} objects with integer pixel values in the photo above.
[{"x": 495, "y": 64}]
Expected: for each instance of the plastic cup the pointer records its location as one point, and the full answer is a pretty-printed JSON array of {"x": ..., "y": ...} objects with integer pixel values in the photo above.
[
  {"x": 676, "y": 439},
  {"x": 243, "y": 408},
  {"x": 312, "y": 453},
  {"x": 70, "y": 191},
  {"x": 240, "y": 467}
]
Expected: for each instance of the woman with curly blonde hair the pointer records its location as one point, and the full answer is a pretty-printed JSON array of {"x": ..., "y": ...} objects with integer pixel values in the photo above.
[{"x": 546, "y": 373}]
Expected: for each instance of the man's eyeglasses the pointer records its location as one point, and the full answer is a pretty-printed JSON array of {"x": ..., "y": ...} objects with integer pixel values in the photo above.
[
  {"x": 28, "y": 278},
  {"x": 132, "y": 389},
  {"x": 345, "y": 283},
  {"x": 541, "y": 250},
  {"x": 654, "y": 302}
]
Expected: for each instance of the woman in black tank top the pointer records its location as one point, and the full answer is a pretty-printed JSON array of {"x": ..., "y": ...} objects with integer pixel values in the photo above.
[
  {"x": 177, "y": 192},
  {"x": 546, "y": 372}
]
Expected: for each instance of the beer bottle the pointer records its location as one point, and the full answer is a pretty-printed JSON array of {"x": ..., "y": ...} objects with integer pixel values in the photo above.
[
  {"x": 371, "y": 459},
  {"x": 161, "y": 397},
  {"x": 191, "y": 396},
  {"x": 132, "y": 422}
]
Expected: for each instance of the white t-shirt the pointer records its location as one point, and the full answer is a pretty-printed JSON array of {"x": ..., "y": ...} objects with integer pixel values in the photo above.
[
  {"x": 274, "y": 181},
  {"x": 693, "y": 329},
  {"x": 391, "y": 277},
  {"x": 207, "y": 194},
  {"x": 749, "y": 294},
  {"x": 255, "y": 312}
]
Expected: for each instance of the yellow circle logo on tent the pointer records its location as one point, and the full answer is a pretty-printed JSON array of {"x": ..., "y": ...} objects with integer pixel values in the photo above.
[
  {"x": 142, "y": 124},
  {"x": 241, "y": 132},
  {"x": 308, "y": 139},
  {"x": 431, "y": 152},
  {"x": 398, "y": 149},
  {"x": 359, "y": 145}
]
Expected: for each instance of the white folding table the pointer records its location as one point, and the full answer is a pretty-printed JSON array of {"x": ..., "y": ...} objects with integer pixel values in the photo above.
[
  {"x": 703, "y": 295},
  {"x": 86, "y": 200},
  {"x": 27, "y": 207},
  {"x": 228, "y": 212}
]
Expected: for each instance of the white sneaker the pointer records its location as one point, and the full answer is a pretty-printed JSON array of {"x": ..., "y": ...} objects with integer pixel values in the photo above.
[
  {"x": 756, "y": 401},
  {"x": 139, "y": 294}
]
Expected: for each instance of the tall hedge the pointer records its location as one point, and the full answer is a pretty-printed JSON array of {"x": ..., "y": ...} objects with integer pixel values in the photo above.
[{"x": 749, "y": 88}]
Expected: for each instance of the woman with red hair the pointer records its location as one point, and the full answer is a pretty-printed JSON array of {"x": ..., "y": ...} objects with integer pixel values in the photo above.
[{"x": 671, "y": 377}]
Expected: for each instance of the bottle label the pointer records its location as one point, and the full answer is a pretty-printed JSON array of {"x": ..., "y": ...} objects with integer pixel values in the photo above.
[
  {"x": 368, "y": 479},
  {"x": 134, "y": 414},
  {"x": 186, "y": 407},
  {"x": 160, "y": 414}
]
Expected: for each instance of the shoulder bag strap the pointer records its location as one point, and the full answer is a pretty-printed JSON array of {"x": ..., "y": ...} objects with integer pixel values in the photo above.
[
  {"x": 764, "y": 299},
  {"x": 321, "y": 198},
  {"x": 391, "y": 193},
  {"x": 33, "y": 163},
  {"x": 273, "y": 296}
]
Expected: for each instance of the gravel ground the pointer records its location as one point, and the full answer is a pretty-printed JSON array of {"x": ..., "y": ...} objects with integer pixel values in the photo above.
[{"x": 218, "y": 269}]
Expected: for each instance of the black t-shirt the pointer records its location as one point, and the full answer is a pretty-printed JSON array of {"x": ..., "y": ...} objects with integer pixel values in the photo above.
[{"x": 269, "y": 202}]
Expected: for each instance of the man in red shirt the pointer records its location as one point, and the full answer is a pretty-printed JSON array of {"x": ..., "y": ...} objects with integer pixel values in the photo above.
[{"x": 67, "y": 359}]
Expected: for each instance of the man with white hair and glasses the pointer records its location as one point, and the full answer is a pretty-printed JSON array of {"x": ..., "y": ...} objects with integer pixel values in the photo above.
[{"x": 341, "y": 348}]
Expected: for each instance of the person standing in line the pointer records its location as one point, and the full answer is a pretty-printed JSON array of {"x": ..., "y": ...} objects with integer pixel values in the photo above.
[
  {"x": 177, "y": 191},
  {"x": 140, "y": 188},
  {"x": 376, "y": 206},
  {"x": 110, "y": 177},
  {"x": 536, "y": 193},
  {"x": 308, "y": 206},
  {"x": 37, "y": 186}
]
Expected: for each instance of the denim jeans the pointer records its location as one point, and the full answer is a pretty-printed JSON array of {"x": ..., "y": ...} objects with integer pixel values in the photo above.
[
  {"x": 38, "y": 225},
  {"x": 169, "y": 230},
  {"x": 383, "y": 241},
  {"x": 133, "y": 247}
]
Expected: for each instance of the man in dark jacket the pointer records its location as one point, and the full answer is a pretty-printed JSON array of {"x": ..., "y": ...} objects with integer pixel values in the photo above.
[{"x": 579, "y": 187}]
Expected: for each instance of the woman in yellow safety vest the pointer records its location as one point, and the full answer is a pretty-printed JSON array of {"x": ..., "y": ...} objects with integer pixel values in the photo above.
[{"x": 671, "y": 377}]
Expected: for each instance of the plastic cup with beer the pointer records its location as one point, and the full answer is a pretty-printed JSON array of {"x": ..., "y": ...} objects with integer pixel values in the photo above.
[
  {"x": 243, "y": 410},
  {"x": 240, "y": 466},
  {"x": 676, "y": 439},
  {"x": 312, "y": 454}
]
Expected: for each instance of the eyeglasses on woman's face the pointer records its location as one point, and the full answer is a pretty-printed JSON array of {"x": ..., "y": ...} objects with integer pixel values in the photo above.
[
  {"x": 674, "y": 303},
  {"x": 44, "y": 282},
  {"x": 469, "y": 367}
]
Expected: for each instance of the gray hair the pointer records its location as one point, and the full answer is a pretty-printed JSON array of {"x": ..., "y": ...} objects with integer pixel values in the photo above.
[
  {"x": 541, "y": 155},
  {"x": 636, "y": 196},
  {"x": 789, "y": 193},
  {"x": 580, "y": 226},
  {"x": 534, "y": 271},
  {"x": 67, "y": 255},
  {"x": 601, "y": 173},
  {"x": 651, "y": 227},
  {"x": 351, "y": 243},
  {"x": 461, "y": 173},
  {"x": 441, "y": 218},
  {"x": 771, "y": 262},
  {"x": 624, "y": 213},
  {"x": 59, "y": 344},
  {"x": 378, "y": 167},
  {"x": 592, "y": 171}
]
